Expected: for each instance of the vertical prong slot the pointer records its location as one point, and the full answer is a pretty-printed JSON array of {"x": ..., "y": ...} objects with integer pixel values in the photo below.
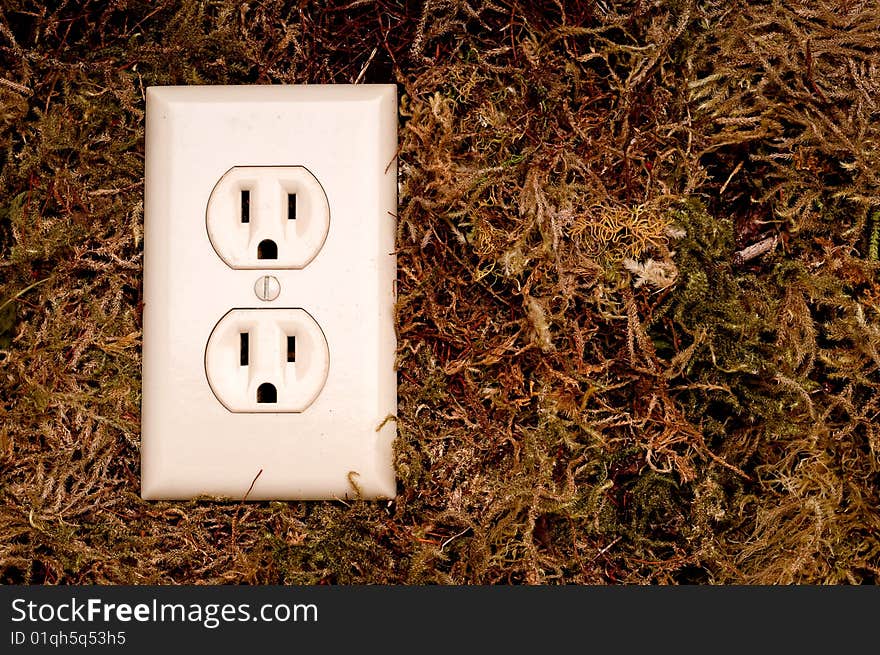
[
  {"x": 245, "y": 206},
  {"x": 291, "y": 206},
  {"x": 291, "y": 349},
  {"x": 244, "y": 349}
]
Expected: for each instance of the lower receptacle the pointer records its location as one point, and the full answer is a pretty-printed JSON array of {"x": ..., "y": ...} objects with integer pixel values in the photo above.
[{"x": 267, "y": 360}]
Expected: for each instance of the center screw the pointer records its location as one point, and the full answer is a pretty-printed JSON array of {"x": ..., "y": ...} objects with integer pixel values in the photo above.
[{"x": 267, "y": 287}]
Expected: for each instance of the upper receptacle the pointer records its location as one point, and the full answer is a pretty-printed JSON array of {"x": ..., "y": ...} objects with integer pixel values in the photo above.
[{"x": 262, "y": 217}]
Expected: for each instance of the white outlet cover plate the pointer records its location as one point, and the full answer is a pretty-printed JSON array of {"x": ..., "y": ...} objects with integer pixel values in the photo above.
[{"x": 341, "y": 445}]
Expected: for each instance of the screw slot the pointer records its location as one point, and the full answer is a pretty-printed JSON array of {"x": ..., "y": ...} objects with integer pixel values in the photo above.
[{"x": 267, "y": 287}]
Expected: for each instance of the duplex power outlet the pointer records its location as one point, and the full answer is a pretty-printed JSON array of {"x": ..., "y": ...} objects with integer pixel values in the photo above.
[{"x": 269, "y": 282}]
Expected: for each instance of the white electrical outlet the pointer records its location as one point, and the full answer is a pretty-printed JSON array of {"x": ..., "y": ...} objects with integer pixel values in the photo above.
[{"x": 269, "y": 288}]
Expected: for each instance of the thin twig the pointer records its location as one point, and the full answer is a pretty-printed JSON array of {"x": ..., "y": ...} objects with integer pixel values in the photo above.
[
  {"x": 453, "y": 538},
  {"x": 240, "y": 505},
  {"x": 366, "y": 66},
  {"x": 729, "y": 178},
  {"x": 755, "y": 250},
  {"x": 606, "y": 549},
  {"x": 21, "y": 293}
]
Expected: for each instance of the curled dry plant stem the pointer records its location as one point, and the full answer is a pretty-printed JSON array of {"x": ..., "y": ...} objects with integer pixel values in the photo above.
[{"x": 241, "y": 504}]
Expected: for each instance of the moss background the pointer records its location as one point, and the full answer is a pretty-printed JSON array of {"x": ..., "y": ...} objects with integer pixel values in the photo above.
[{"x": 639, "y": 314}]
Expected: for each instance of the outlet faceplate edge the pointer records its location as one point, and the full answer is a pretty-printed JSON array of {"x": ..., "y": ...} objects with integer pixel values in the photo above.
[{"x": 341, "y": 446}]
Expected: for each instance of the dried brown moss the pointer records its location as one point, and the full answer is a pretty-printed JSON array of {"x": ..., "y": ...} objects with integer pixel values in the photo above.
[{"x": 594, "y": 385}]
